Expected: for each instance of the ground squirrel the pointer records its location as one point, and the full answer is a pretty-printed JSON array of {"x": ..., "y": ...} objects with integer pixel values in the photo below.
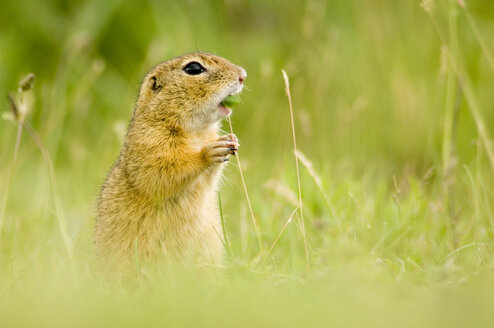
[{"x": 159, "y": 199}]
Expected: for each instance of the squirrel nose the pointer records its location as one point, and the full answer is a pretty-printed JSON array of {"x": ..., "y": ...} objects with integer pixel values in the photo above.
[{"x": 242, "y": 76}]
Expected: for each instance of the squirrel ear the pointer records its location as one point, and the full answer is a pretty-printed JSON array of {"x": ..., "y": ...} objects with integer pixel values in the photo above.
[{"x": 155, "y": 86}]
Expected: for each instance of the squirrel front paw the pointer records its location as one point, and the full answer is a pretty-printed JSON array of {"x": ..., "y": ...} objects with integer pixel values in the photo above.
[{"x": 217, "y": 152}]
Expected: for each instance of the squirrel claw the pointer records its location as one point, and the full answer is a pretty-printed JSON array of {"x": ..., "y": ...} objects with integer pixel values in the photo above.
[{"x": 218, "y": 152}]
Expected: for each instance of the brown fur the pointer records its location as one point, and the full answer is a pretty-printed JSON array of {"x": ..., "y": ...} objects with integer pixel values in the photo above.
[{"x": 159, "y": 199}]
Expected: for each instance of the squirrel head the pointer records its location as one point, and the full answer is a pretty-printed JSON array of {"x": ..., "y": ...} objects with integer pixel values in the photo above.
[{"x": 187, "y": 91}]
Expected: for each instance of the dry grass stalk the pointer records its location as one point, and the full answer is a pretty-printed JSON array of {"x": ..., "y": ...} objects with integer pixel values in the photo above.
[
  {"x": 15, "y": 115},
  {"x": 279, "y": 234},
  {"x": 18, "y": 113},
  {"x": 302, "y": 224},
  {"x": 254, "y": 220},
  {"x": 317, "y": 179}
]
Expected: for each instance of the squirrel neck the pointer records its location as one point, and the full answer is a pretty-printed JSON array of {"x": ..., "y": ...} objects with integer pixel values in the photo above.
[
  {"x": 156, "y": 118},
  {"x": 170, "y": 129}
]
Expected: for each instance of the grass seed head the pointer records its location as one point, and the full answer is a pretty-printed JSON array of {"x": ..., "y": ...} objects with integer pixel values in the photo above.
[{"x": 27, "y": 83}]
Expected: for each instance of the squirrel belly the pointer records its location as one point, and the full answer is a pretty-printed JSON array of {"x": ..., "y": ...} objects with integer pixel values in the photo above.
[{"x": 149, "y": 216}]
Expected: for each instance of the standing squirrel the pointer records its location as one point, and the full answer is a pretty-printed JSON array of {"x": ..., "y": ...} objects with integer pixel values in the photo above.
[{"x": 159, "y": 199}]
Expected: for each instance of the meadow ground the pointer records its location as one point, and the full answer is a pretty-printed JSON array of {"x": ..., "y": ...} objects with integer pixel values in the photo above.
[{"x": 392, "y": 110}]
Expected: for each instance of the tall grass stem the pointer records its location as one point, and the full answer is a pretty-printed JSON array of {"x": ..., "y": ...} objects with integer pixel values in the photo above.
[
  {"x": 302, "y": 224},
  {"x": 469, "y": 97},
  {"x": 254, "y": 220},
  {"x": 280, "y": 233},
  {"x": 9, "y": 175},
  {"x": 62, "y": 223}
]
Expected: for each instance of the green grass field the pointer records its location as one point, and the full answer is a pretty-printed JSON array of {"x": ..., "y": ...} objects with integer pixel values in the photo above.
[{"x": 392, "y": 109}]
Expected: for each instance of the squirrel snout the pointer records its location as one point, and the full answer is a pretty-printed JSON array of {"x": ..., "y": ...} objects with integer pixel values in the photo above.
[{"x": 242, "y": 76}]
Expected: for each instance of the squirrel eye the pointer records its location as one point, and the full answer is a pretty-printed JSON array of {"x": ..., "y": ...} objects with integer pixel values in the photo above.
[{"x": 194, "y": 68}]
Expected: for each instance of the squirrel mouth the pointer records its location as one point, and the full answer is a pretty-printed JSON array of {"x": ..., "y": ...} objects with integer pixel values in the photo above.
[
  {"x": 229, "y": 101},
  {"x": 224, "y": 110}
]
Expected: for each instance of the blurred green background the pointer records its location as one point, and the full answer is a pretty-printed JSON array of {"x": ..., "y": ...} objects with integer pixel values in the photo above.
[{"x": 397, "y": 182}]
